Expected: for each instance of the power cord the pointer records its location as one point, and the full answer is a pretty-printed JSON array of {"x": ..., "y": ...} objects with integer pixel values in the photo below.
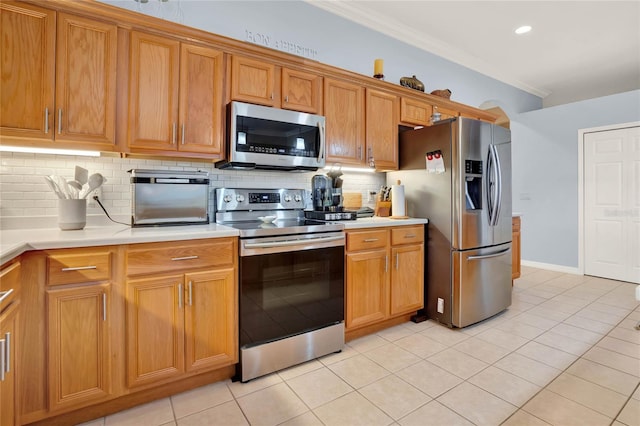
[{"x": 95, "y": 197}]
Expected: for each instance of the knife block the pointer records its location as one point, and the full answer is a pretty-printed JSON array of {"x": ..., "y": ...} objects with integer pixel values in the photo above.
[{"x": 383, "y": 208}]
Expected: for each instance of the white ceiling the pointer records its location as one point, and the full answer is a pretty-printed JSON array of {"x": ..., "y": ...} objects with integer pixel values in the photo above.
[{"x": 577, "y": 49}]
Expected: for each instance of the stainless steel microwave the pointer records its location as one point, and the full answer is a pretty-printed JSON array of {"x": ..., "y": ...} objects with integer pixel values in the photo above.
[{"x": 268, "y": 138}]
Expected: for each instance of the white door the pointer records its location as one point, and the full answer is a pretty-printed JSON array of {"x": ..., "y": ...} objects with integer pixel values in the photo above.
[{"x": 612, "y": 204}]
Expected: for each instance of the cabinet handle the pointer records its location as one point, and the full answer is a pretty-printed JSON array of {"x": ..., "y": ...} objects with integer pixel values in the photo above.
[
  {"x": 370, "y": 240},
  {"x": 173, "y": 133},
  {"x": 3, "y": 361},
  {"x": 182, "y": 135},
  {"x": 59, "y": 120},
  {"x": 5, "y": 294},
  {"x": 104, "y": 306},
  {"x": 371, "y": 160},
  {"x": 184, "y": 258},
  {"x": 271, "y": 97},
  {"x": 46, "y": 120},
  {"x": 396, "y": 261},
  {"x": 410, "y": 236},
  {"x": 359, "y": 153},
  {"x": 180, "y": 295},
  {"x": 286, "y": 98},
  {"x": 7, "y": 358},
  {"x": 78, "y": 268},
  {"x": 386, "y": 264},
  {"x": 190, "y": 293}
]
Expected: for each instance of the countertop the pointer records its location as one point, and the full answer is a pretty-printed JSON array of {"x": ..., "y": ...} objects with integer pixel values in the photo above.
[{"x": 14, "y": 242}]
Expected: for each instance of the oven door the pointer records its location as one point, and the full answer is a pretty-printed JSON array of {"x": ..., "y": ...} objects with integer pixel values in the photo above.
[{"x": 288, "y": 290}]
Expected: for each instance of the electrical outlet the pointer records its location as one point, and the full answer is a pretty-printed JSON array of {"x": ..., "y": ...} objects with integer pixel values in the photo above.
[
  {"x": 91, "y": 203},
  {"x": 440, "y": 305}
]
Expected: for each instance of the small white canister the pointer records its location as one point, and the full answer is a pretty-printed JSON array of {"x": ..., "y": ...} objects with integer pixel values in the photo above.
[{"x": 72, "y": 214}]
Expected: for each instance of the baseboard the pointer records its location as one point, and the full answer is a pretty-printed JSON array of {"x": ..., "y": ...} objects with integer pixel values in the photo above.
[{"x": 551, "y": 267}]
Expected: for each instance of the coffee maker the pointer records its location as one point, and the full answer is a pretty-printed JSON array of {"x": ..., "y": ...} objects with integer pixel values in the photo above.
[{"x": 321, "y": 188}]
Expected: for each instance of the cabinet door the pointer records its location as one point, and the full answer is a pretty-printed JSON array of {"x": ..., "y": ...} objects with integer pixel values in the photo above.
[
  {"x": 153, "y": 92},
  {"x": 9, "y": 407},
  {"x": 201, "y": 118},
  {"x": 253, "y": 81},
  {"x": 211, "y": 319},
  {"x": 27, "y": 68},
  {"x": 344, "y": 112},
  {"x": 367, "y": 287},
  {"x": 78, "y": 350},
  {"x": 382, "y": 129},
  {"x": 415, "y": 112},
  {"x": 154, "y": 329},
  {"x": 86, "y": 80},
  {"x": 515, "y": 248},
  {"x": 301, "y": 91},
  {"x": 407, "y": 279}
]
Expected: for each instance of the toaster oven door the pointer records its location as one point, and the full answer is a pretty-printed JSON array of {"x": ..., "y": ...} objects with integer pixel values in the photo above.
[{"x": 169, "y": 203}]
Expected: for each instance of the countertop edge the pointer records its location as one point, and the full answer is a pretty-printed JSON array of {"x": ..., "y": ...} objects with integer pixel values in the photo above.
[{"x": 15, "y": 242}]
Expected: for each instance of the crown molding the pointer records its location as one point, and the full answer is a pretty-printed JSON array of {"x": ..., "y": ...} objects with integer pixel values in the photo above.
[{"x": 353, "y": 12}]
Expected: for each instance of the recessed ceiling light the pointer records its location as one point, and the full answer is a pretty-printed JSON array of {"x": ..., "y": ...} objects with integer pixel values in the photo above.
[{"x": 523, "y": 29}]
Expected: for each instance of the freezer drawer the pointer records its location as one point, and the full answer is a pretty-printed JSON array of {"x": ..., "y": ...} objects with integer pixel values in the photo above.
[{"x": 481, "y": 283}]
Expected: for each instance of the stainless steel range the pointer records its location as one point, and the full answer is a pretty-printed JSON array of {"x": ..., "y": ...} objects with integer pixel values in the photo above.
[{"x": 291, "y": 279}]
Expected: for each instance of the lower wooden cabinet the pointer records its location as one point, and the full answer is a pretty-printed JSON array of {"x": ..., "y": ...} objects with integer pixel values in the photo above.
[
  {"x": 384, "y": 274},
  {"x": 189, "y": 318},
  {"x": 78, "y": 325},
  {"x": 9, "y": 409},
  {"x": 515, "y": 248}
]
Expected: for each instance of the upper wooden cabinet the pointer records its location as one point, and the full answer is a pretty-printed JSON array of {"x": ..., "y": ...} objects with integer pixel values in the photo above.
[
  {"x": 175, "y": 96},
  {"x": 264, "y": 83},
  {"x": 415, "y": 112},
  {"x": 58, "y": 88},
  {"x": 383, "y": 113},
  {"x": 344, "y": 109}
]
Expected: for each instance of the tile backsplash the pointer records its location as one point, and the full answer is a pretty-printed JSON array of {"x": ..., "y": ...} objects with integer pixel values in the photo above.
[{"x": 26, "y": 200}]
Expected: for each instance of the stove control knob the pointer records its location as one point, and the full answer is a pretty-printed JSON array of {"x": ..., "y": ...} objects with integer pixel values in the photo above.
[
  {"x": 287, "y": 198},
  {"x": 240, "y": 198},
  {"x": 227, "y": 198},
  {"x": 297, "y": 198}
]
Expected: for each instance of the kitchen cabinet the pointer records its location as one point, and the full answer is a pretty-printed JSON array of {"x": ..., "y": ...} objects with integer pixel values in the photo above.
[
  {"x": 384, "y": 274},
  {"x": 264, "y": 83},
  {"x": 414, "y": 112},
  {"x": 367, "y": 277},
  {"x": 515, "y": 247},
  {"x": 344, "y": 109},
  {"x": 407, "y": 271},
  {"x": 10, "y": 277},
  {"x": 78, "y": 297},
  {"x": 58, "y": 78},
  {"x": 175, "y": 97},
  {"x": 181, "y": 300},
  {"x": 382, "y": 117}
]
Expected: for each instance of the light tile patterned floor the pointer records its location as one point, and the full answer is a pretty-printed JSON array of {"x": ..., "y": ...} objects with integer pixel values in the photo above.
[{"x": 565, "y": 353}]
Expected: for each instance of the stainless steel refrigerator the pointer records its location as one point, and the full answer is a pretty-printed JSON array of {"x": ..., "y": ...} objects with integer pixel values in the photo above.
[{"x": 468, "y": 205}]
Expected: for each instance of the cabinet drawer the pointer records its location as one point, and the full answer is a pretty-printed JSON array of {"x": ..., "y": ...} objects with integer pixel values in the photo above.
[
  {"x": 179, "y": 255},
  {"x": 364, "y": 240},
  {"x": 407, "y": 235},
  {"x": 9, "y": 284},
  {"x": 71, "y": 268}
]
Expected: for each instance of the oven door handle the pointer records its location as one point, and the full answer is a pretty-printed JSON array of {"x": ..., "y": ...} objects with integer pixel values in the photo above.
[{"x": 300, "y": 242}]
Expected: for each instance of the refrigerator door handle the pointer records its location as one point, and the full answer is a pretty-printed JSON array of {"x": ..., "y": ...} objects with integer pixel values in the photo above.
[
  {"x": 493, "y": 186},
  {"x": 499, "y": 180},
  {"x": 487, "y": 256}
]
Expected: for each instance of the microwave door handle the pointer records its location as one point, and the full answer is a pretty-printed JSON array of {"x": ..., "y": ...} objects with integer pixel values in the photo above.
[{"x": 321, "y": 132}]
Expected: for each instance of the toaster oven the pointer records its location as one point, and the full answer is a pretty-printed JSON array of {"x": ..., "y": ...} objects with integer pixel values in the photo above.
[{"x": 160, "y": 197}]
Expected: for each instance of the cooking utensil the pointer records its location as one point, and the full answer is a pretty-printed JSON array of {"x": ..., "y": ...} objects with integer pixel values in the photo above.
[
  {"x": 95, "y": 181},
  {"x": 62, "y": 185},
  {"x": 81, "y": 175},
  {"x": 54, "y": 187},
  {"x": 75, "y": 184}
]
